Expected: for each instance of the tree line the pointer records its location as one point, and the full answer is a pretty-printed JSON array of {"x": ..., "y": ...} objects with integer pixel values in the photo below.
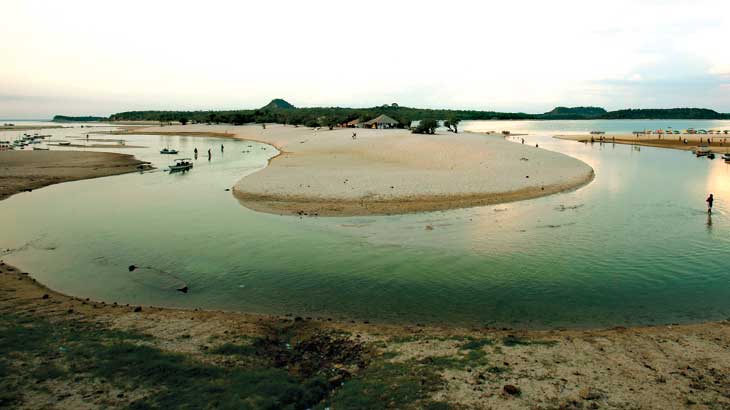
[{"x": 333, "y": 116}]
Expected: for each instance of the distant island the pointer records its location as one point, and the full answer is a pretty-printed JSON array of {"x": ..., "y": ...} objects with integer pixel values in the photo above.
[
  {"x": 66, "y": 118},
  {"x": 281, "y": 111}
]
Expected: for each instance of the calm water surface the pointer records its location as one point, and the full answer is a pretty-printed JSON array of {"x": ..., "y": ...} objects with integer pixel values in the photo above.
[{"x": 633, "y": 247}]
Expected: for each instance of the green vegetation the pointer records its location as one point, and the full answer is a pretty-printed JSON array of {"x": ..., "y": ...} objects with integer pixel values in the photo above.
[
  {"x": 571, "y": 113},
  {"x": 426, "y": 126},
  {"x": 452, "y": 123},
  {"x": 66, "y": 118},
  {"x": 280, "y": 111},
  {"x": 390, "y": 386},
  {"x": 671, "y": 113},
  {"x": 472, "y": 343},
  {"x": 511, "y": 340},
  {"x": 126, "y": 361},
  {"x": 292, "y": 367}
]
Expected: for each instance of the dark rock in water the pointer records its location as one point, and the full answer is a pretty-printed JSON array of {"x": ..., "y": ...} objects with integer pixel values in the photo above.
[
  {"x": 138, "y": 309},
  {"x": 45, "y": 296},
  {"x": 132, "y": 268},
  {"x": 183, "y": 289},
  {"x": 298, "y": 319},
  {"x": 512, "y": 390}
]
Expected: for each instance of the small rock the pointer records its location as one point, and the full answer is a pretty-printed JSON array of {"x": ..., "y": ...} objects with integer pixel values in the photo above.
[
  {"x": 45, "y": 296},
  {"x": 138, "y": 309},
  {"x": 589, "y": 393},
  {"x": 183, "y": 289},
  {"x": 512, "y": 390}
]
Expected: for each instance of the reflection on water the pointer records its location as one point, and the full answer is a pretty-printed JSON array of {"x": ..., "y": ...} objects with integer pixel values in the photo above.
[{"x": 634, "y": 246}]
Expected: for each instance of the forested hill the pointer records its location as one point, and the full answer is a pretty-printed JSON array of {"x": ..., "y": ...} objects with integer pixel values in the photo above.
[
  {"x": 66, "y": 118},
  {"x": 670, "y": 113},
  {"x": 574, "y": 113},
  {"x": 280, "y": 111}
]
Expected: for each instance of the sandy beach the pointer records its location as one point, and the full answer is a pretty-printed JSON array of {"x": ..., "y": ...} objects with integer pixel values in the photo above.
[
  {"x": 28, "y": 170},
  {"x": 328, "y": 173},
  {"x": 718, "y": 143}
]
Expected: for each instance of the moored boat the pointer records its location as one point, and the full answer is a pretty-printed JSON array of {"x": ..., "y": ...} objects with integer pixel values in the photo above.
[
  {"x": 168, "y": 151},
  {"x": 182, "y": 165},
  {"x": 702, "y": 150}
]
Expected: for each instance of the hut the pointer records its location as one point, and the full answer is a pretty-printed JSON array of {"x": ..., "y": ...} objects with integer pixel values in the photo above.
[
  {"x": 352, "y": 124},
  {"x": 381, "y": 121}
]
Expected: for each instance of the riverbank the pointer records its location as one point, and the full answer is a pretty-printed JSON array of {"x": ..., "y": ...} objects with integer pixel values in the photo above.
[
  {"x": 719, "y": 143},
  {"x": 64, "y": 352},
  {"x": 379, "y": 172},
  {"x": 27, "y": 170}
]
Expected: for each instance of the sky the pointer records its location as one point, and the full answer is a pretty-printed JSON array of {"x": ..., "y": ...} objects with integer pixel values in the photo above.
[{"x": 79, "y": 57}]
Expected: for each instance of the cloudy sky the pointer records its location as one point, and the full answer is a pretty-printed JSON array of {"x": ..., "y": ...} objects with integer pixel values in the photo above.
[{"x": 97, "y": 57}]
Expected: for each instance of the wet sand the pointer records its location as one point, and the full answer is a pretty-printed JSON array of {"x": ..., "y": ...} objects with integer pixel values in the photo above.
[{"x": 28, "y": 170}]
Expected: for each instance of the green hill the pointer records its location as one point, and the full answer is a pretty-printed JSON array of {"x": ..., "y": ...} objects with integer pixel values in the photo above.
[
  {"x": 668, "y": 113},
  {"x": 574, "y": 113},
  {"x": 278, "y": 104},
  {"x": 66, "y": 118}
]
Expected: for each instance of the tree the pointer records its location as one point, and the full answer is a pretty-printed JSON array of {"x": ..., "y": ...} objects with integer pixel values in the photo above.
[
  {"x": 426, "y": 126},
  {"x": 452, "y": 124},
  {"x": 183, "y": 120}
]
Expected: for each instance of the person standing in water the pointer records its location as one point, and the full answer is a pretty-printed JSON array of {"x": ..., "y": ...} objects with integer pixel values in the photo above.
[
  {"x": 209, "y": 154},
  {"x": 710, "y": 199},
  {"x": 221, "y": 147}
]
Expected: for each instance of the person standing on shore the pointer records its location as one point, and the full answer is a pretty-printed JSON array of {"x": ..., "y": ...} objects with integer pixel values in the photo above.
[{"x": 710, "y": 199}]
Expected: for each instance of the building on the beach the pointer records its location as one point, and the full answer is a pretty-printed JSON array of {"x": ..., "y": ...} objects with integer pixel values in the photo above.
[
  {"x": 352, "y": 124},
  {"x": 381, "y": 121}
]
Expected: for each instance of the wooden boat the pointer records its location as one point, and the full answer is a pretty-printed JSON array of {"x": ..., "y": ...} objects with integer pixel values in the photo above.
[
  {"x": 168, "y": 151},
  {"x": 726, "y": 156},
  {"x": 181, "y": 165},
  {"x": 702, "y": 150},
  {"x": 64, "y": 143}
]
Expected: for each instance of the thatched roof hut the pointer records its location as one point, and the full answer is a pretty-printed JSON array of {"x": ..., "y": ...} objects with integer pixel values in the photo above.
[{"x": 381, "y": 121}]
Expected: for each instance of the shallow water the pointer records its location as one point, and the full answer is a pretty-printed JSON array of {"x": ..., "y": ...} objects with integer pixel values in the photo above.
[{"x": 633, "y": 247}]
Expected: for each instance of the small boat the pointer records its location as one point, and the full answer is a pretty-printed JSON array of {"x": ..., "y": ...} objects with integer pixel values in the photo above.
[
  {"x": 726, "y": 156},
  {"x": 702, "y": 150},
  {"x": 182, "y": 165},
  {"x": 41, "y": 149},
  {"x": 168, "y": 151},
  {"x": 711, "y": 155},
  {"x": 64, "y": 143}
]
